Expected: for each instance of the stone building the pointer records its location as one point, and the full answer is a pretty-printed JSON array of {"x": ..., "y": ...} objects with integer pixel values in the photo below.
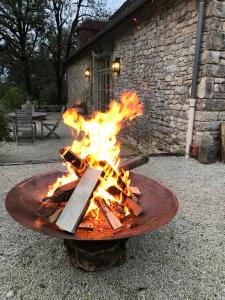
[{"x": 156, "y": 42}]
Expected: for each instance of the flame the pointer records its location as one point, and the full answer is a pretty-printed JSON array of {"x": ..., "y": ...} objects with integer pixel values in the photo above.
[
  {"x": 96, "y": 142},
  {"x": 97, "y": 135},
  {"x": 67, "y": 178}
]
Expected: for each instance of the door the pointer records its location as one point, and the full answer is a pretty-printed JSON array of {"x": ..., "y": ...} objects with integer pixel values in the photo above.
[{"x": 104, "y": 82}]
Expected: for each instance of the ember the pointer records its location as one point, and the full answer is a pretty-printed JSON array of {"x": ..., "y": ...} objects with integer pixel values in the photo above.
[{"x": 96, "y": 184}]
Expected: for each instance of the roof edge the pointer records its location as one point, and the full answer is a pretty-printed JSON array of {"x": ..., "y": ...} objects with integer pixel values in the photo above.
[{"x": 109, "y": 26}]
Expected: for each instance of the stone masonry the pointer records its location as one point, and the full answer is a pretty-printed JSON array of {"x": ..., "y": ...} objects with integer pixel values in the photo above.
[
  {"x": 156, "y": 47},
  {"x": 211, "y": 89}
]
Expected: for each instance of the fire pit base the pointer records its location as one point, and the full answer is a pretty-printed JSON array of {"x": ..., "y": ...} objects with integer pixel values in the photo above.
[{"x": 96, "y": 255}]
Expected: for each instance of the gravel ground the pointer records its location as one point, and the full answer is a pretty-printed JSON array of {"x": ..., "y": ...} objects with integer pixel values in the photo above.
[{"x": 183, "y": 260}]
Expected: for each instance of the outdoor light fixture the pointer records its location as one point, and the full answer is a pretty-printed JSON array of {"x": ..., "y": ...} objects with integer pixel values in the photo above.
[
  {"x": 87, "y": 73},
  {"x": 116, "y": 65}
]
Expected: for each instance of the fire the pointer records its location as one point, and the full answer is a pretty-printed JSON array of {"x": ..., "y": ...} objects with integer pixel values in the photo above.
[
  {"x": 96, "y": 142},
  {"x": 67, "y": 178}
]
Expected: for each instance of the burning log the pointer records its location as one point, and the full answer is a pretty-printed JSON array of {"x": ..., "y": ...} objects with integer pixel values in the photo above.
[
  {"x": 79, "y": 164},
  {"x": 70, "y": 220},
  {"x": 118, "y": 210},
  {"x": 79, "y": 200},
  {"x": 87, "y": 225},
  {"x": 133, "y": 162},
  {"x": 110, "y": 217},
  {"x": 134, "y": 206},
  {"x": 62, "y": 193},
  {"x": 125, "y": 164},
  {"x": 50, "y": 211},
  {"x": 54, "y": 217},
  {"x": 135, "y": 190}
]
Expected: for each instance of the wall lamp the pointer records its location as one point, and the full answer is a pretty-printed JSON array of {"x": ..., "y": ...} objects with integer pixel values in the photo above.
[
  {"x": 87, "y": 73},
  {"x": 116, "y": 65}
]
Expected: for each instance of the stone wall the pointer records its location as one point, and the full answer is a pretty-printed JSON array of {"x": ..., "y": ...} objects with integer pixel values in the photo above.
[
  {"x": 78, "y": 86},
  {"x": 157, "y": 57},
  {"x": 156, "y": 48},
  {"x": 211, "y": 89}
]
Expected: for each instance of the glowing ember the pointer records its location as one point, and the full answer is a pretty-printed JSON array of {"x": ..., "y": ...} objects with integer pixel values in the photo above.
[{"x": 96, "y": 143}]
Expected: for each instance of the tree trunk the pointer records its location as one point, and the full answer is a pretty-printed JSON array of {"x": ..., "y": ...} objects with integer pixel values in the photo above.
[
  {"x": 26, "y": 69},
  {"x": 27, "y": 76},
  {"x": 59, "y": 82}
]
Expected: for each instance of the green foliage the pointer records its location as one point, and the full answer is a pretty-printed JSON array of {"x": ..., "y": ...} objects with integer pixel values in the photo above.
[
  {"x": 4, "y": 129},
  {"x": 12, "y": 99}
]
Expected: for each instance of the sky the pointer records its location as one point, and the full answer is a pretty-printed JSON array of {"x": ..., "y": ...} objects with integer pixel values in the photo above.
[{"x": 114, "y": 4}]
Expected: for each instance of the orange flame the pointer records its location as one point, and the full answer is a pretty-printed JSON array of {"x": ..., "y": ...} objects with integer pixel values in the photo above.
[
  {"x": 96, "y": 141},
  {"x": 97, "y": 135}
]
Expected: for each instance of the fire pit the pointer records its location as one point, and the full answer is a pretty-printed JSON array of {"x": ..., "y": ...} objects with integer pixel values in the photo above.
[
  {"x": 92, "y": 250},
  {"x": 97, "y": 205}
]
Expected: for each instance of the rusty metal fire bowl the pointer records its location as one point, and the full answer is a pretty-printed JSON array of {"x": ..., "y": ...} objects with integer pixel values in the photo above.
[{"x": 93, "y": 250}]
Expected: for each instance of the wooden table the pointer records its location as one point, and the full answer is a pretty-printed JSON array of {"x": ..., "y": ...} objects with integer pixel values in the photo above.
[{"x": 36, "y": 116}]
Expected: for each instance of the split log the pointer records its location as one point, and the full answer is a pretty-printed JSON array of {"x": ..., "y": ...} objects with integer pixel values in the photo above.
[
  {"x": 117, "y": 210},
  {"x": 128, "y": 164},
  {"x": 121, "y": 184},
  {"x": 62, "y": 193},
  {"x": 125, "y": 164},
  {"x": 116, "y": 192},
  {"x": 50, "y": 211},
  {"x": 77, "y": 204},
  {"x": 47, "y": 210},
  {"x": 54, "y": 217},
  {"x": 78, "y": 163},
  {"x": 134, "y": 206},
  {"x": 87, "y": 225},
  {"x": 135, "y": 190},
  {"x": 110, "y": 217},
  {"x": 133, "y": 162}
]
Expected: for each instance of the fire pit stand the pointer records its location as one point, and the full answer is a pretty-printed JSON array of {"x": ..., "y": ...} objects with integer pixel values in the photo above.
[
  {"x": 96, "y": 249},
  {"x": 96, "y": 255}
]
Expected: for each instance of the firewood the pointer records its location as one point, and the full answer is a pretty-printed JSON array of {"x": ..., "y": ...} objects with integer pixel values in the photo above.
[
  {"x": 111, "y": 218},
  {"x": 62, "y": 193},
  {"x": 77, "y": 204},
  {"x": 53, "y": 218},
  {"x": 121, "y": 184},
  {"x": 79, "y": 164},
  {"x": 133, "y": 162},
  {"x": 87, "y": 225},
  {"x": 117, "y": 210},
  {"x": 135, "y": 190},
  {"x": 125, "y": 164},
  {"x": 47, "y": 210},
  {"x": 50, "y": 211},
  {"x": 134, "y": 206},
  {"x": 116, "y": 192}
]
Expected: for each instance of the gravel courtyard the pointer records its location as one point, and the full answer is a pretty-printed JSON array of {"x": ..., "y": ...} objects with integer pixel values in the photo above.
[{"x": 183, "y": 260}]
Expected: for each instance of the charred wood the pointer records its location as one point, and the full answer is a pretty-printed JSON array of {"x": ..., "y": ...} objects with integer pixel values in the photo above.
[
  {"x": 62, "y": 193},
  {"x": 133, "y": 206},
  {"x": 133, "y": 162},
  {"x": 110, "y": 217}
]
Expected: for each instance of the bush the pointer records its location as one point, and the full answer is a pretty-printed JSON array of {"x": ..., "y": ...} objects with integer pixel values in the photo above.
[
  {"x": 12, "y": 99},
  {"x": 4, "y": 129}
]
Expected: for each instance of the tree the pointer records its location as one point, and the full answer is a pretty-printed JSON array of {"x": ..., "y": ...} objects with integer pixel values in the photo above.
[
  {"x": 64, "y": 18},
  {"x": 21, "y": 29}
]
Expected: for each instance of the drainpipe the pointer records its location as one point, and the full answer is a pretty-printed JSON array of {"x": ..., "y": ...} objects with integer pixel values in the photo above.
[
  {"x": 191, "y": 117},
  {"x": 94, "y": 56}
]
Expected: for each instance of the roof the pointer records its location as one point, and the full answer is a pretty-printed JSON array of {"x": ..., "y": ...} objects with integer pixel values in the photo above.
[
  {"x": 128, "y": 8},
  {"x": 91, "y": 25}
]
